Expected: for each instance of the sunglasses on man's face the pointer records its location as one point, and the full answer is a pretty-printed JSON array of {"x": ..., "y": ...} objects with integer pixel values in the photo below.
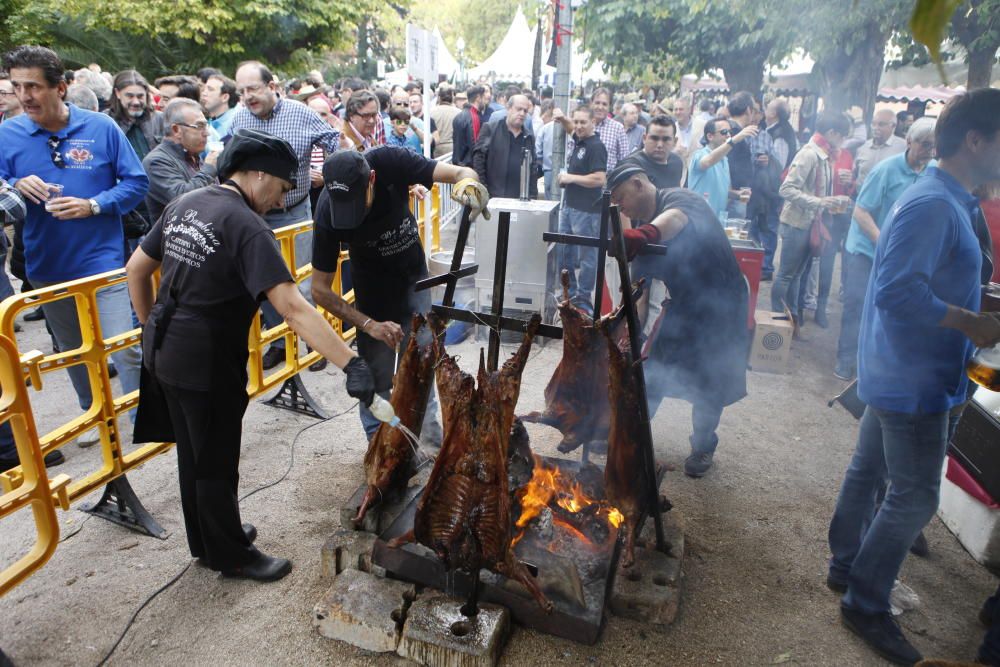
[
  {"x": 724, "y": 133},
  {"x": 57, "y": 158}
]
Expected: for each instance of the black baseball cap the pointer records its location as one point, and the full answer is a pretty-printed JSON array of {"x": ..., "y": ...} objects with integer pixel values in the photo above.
[
  {"x": 621, "y": 173},
  {"x": 253, "y": 150},
  {"x": 345, "y": 176}
]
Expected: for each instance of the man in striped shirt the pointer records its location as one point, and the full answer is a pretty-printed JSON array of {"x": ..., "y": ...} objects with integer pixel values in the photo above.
[{"x": 301, "y": 127}]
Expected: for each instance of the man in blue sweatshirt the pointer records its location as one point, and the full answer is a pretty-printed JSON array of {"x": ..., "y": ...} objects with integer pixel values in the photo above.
[
  {"x": 919, "y": 327},
  {"x": 78, "y": 175}
]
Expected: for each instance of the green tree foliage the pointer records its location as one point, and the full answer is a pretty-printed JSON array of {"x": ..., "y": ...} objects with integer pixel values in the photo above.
[
  {"x": 976, "y": 26},
  {"x": 674, "y": 37}
]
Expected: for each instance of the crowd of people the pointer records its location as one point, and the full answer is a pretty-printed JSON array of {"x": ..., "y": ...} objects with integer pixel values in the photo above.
[{"x": 100, "y": 171}]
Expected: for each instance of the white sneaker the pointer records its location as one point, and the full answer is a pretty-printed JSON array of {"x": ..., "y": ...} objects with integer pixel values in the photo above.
[{"x": 88, "y": 439}]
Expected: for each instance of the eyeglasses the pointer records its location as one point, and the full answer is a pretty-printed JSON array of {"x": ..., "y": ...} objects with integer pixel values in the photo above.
[
  {"x": 367, "y": 116},
  {"x": 201, "y": 127},
  {"x": 254, "y": 89},
  {"x": 724, "y": 133},
  {"x": 400, "y": 121},
  {"x": 57, "y": 158},
  {"x": 7, "y": 93}
]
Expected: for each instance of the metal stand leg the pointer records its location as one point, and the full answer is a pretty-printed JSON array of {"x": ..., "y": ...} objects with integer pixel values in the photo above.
[
  {"x": 294, "y": 396},
  {"x": 120, "y": 505},
  {"x": 471, "y": 607}
]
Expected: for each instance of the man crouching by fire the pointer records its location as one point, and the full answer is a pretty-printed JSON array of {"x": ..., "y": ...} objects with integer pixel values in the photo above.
[{"x": 698, "y": 349}]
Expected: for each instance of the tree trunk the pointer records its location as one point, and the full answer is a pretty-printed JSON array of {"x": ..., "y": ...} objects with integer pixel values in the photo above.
[
  {"x": 981, "y": 68},
  {"x": 746, "y": 73},
  {"x": 850, "y": 79}
]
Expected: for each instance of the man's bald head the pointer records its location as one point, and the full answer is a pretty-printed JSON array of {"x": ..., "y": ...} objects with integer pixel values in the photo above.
[
  {"x": 883, "y": 125},
  {"x": 517, "y": 111}
]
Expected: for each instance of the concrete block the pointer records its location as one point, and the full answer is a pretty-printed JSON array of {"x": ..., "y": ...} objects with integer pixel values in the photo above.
[
  {"x": 364, "y": 610},
  {"x": 673, "y": 534},
  {"x": 346, "y": 550},
  {"x": 650, "y": 590},
  {"x": 438, "y": 635}
]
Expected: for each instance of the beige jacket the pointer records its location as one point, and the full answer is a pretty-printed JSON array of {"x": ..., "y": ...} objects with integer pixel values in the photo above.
[{"x": 809, "y": 174}]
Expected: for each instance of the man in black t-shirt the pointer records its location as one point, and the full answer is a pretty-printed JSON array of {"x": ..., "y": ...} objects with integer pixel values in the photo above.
[
  {"x": 587, "y": 160},
  {"x": 365, "y": 204},
  {"x": 656, "y": 158}
]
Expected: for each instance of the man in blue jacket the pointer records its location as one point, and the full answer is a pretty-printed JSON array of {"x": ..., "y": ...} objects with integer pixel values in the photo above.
[
  {"x": 919, "y": 327},
  {"x": 78, "y": 175}
]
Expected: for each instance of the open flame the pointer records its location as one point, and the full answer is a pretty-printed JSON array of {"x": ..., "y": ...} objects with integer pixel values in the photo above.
[{"x": 549, "y": 487}]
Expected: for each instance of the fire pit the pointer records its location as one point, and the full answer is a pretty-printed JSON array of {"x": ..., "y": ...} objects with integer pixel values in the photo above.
[{"x": 566, "y": 534}]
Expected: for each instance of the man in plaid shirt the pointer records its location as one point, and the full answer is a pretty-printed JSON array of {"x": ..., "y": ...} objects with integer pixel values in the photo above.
[
  {"x": 608, "y": 130},
  {"x": 301, "y": 127}
]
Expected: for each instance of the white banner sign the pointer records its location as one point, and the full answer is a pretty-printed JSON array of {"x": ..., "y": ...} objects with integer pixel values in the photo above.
[{"x": 421, "y": 53}]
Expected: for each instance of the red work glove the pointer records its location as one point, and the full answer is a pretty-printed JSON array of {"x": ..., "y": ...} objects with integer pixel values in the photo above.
[{"x": 636, "y": 238}]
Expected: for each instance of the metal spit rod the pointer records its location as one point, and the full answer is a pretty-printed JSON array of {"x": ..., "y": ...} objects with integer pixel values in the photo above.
[{"x": 526, "y": 175}]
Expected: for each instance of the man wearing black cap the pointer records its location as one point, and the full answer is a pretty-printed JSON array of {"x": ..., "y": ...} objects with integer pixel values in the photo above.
[
  {"x": 219, "y": 260},
  {"x": 365, "y": 204},
  {"x": 698, "y": 348}
]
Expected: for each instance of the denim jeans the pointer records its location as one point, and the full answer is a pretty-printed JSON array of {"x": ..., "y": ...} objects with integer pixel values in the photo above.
[
  {"x": 705, "y": 418},
  {"x": 571, "y": 257},
  {"x": 115, "y": 311},
  {"x": 857, "y": 270},
  {"x": 795, "y": 256},
  {"x": 868, "y": 548},
  {"x": 303, "y": 255},
  {"x": 764, "y": 230},
  {"x": 838, "y": 230},
  {"x": 381, "y": 360}
]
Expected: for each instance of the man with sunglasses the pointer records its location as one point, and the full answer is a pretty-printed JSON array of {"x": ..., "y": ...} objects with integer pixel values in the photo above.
[
  {"x": 175, "y": 166},
  {"x": 365, "y": 204},
  {"x": 708, "y": 173},
  {"x": 78, "y": 175}
]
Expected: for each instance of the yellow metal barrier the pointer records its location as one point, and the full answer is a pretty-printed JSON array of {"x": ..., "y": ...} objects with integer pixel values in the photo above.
[
  {"x": 28, "y": 485},
  {"x": 36, "y": 490},
  {"x": 417, "y": 208}
]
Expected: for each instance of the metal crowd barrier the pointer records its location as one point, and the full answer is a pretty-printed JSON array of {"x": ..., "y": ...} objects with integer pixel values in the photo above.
[
  {"x": 35, "y": 491},
  {"x": 27, "y": 485}
]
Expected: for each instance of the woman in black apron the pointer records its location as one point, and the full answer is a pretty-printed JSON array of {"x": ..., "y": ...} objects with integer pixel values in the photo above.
[
  {"x": 218, "y": 261},
  {"x": 698, "y": 349}
]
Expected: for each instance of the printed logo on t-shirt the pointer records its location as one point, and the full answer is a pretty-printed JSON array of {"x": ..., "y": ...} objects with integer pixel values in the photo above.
[
  {"x": 188, "y": 239},
  {"x": 581, "y": 152},
  {"x": 79, "y": 153}
]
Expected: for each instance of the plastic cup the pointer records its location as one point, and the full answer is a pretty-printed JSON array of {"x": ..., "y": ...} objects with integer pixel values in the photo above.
[{"x": 55, "y": 191}]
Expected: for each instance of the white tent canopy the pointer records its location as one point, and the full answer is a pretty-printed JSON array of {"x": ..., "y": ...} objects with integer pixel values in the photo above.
[{"x": 512, "y": 59}]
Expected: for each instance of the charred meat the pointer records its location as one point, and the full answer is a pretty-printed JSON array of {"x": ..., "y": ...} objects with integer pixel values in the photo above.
[
  {"x": 625, "y": 482},
  {"x": 464, "y": 514},
  {"x": 575, "y": 400},
  {"x": 390, "y": 453}
]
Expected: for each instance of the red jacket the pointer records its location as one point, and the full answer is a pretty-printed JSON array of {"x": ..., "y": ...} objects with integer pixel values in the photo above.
[{"x": 991, "y": 210}]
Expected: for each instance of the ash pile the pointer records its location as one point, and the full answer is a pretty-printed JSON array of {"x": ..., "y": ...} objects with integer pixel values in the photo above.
[{"x": 436, "y": 558}]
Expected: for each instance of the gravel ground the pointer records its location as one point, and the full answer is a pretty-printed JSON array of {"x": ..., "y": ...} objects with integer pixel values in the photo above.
[{"x": 753, "y": 573}]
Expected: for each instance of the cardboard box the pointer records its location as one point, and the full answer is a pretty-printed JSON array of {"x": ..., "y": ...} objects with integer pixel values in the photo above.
[{"x": 772, "y": 342}]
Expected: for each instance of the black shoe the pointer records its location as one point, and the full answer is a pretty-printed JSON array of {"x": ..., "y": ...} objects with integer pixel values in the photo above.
[
  {"x": 821, "y": 319},
  {"x": 273, "y": 357},
  {"x": 54, "y": 458},
  {"x": 263, "y": 568},
  {"x": 4, "y": 660},
  {"x": 920, "y": 546},
  {"x": 697, "y": 464},
  {"x": 882, "y": 634},
  {"x": 318, "y": 366},
  {"x": 248, "y": 529},
  {"x": 835, "y": 585},
  {"x": 112, "y": 371},
  {"x": 986, "y": 613},
  {"x": 766, "y": 276},
  {"x": 35, "y": 315}
]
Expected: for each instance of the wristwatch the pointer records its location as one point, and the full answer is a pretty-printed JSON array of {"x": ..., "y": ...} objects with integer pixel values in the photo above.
[
  {"x": 730, "y": 141},
  {"x": 95, "y": 208}
]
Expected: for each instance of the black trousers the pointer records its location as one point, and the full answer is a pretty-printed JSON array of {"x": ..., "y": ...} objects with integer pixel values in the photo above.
[{"x": 208, "y": 427}]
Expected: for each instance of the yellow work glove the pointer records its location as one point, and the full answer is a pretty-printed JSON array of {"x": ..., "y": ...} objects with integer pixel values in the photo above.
[{"x": 470, "y": 192}]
